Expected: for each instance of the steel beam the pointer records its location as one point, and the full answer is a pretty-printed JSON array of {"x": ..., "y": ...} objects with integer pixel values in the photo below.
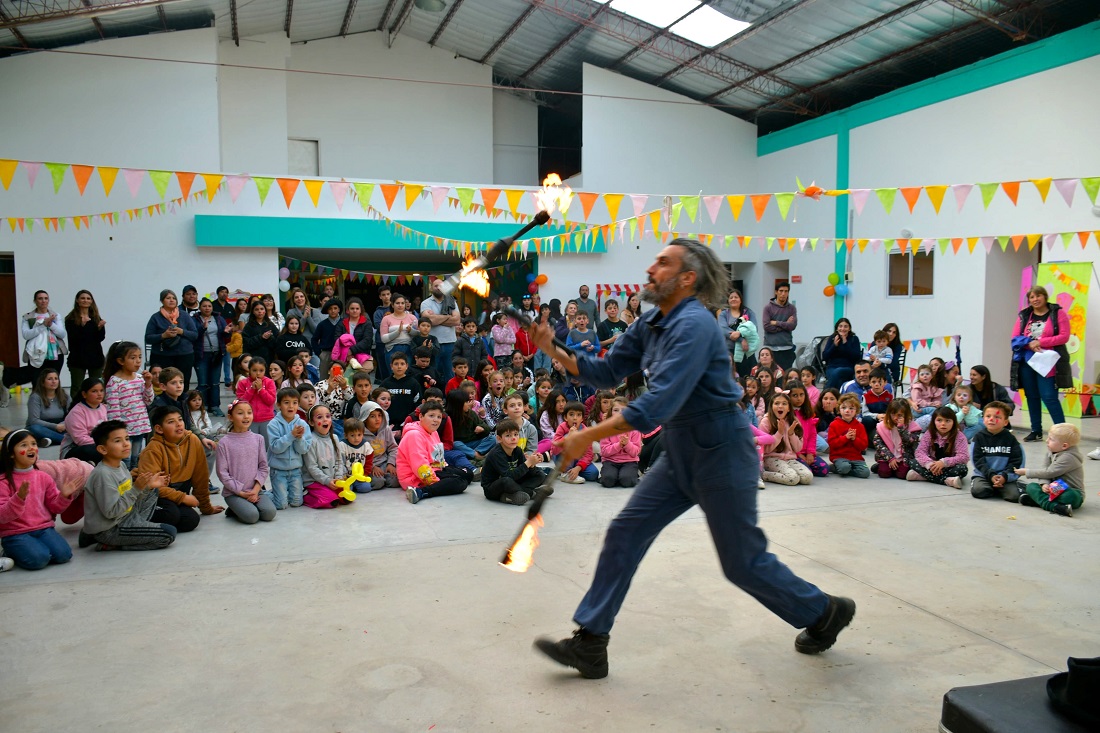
[
  {"x": 160, "y": 14},
  {"x": 506, "y": 35},
  {"x": 37, "y": 11},
  {"x": 95, "y": 20},
  {"x": 289, "y": 15},
  {"x": 385, "y": 15},
  {"x": 346, "y": 23},
  {"x": 402, "y": 16},
  {"x": 1016, "y": 34},
  {"x": 13, "y": 27},
  {"x": 445, "y": 22},
  {"x": 641, "y": 48},
  {"x": 522, "y": 78},
  {"x": 233, "y": 18}
]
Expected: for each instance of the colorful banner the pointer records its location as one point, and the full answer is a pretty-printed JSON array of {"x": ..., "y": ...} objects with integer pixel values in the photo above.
[
  {"x": 377, "y": 278},
  {"x": 1068, "y": 285}
]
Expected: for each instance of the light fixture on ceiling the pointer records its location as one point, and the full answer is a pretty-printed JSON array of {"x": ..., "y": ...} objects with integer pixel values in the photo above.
[{"x": 432, "y": 6}]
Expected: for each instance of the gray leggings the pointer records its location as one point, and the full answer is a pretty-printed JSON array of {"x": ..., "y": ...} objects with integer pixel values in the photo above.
[{"x": 248, "y": 513}]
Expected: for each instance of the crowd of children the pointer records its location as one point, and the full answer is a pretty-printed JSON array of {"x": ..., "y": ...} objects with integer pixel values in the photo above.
[{"x": 144, "y": 453}]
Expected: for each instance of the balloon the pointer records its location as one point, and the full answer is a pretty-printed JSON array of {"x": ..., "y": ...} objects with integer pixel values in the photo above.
[
  {"x": 284, "y": 285},
  {"x": 842, "y": 290},
  {"x": 833, "y": 278},
  {"x": 531, "y": 278},
  {"x": 533, "y": 288},
  {"x": 542, "y": 279},
  {"x": 284, "y": 273},
  {"x": 829, "y": 291}
]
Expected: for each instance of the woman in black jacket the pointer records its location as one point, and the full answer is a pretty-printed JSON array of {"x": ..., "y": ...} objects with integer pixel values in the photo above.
[
  {"x": 214, "y": 334},
  {"x": 842, "y": 351},
  {"x": 85, "y": 333},
  {"x": 260, "y": 334}
]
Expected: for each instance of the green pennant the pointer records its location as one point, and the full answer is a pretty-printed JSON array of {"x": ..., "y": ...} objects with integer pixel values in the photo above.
[
  {"x": 61, "y": 221},
  {"x": 633, "y": 228},
  {"x": 1067, "y": 237},
  {"x": 783, "y": 201},
  {"x": 989, "y": 190},
  {"x": 727, "y": 241},
  {"x": 675, "y": 216},
  {"x": 943, "y": 245},
  {"x": 160, "y": 180},
  {"x": 770, "y": 241},
  {"x": 888, "y": 244},
  {"x": 1091, "y": 186},
  {"x": 465, "y": 198},
  {"x": 363, "y": 191},
  {"x": 57, "y": 173},
  {"x": 691, "y": 206},
  {"x": 813, "y": 243},
  {"x": 30, "y": 225},
  {"x": 886, "y": 197},
  {"x": 263, "y": 185},
  {"x": 1003, "y": 241}
]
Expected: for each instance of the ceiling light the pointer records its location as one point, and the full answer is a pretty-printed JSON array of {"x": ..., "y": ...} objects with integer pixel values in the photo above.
[
  {"x": 432, "y": 6},
  {"x": 656, "y": 12},
  {"x": 707, "y": 27}
]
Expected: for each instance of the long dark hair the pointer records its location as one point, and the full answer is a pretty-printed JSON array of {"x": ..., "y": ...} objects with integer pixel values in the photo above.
[
  {"x": 482, "y": 382},
  {"x": 86, "y": 385},
  {"x": 549, "y": 407},
  {"x": 456, "y": 407},
  {"x": 807, "y": 409},
  {"x": 117, "y": 352},
  {"x": 744, "y": 308},
  {"x": 40, "y": 389},
  {"x": 7, "y": 454},
  {"x": 894, "y": 345},
  {"x": 948, "y": 414},
  {"x": 985, "y": 394},
  {"x": 286, "y": 326},
  {"x": 74, "y": 314}
]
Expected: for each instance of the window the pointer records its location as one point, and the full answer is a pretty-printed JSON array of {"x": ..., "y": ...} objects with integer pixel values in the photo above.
[{"x": 909, "y": 275}]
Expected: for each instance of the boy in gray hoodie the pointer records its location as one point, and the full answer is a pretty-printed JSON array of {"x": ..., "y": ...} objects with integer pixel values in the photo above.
[
  {"x": 1064, "y": 462},
  {"x": 377, "y": 432}
]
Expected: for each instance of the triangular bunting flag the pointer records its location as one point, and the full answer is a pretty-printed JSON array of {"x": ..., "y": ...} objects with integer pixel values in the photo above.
[
  {"x": 81, "y": 174},
  {"x": 213, "y": 181},
  {"x": 971, "y": 243},
  {"x": 1066, "y": 238},
  {"x": 263, "y": 185},
  {"x": 1091, "y": 186},
  {"x": 886, "y": 197},
  {"x": 186, "y": 180},
  {"x": 313, "y": 188},
  {"x": 1032, "y": 240},
  {"x": 7, "y": 172},
  {"x": 133, "y": 180},
  {"x": 713, "y": 205},
  {"x": 439, "y": 195},
  {"x": 289, "y": 186},
  {"x": 489, "y": 197},
  {"x": 1043, "y": 186},
  {"x": 1017, "y": 240},
  {"x": 32, "y": 168},
  {"x": 634, "y": 227},
  {"x": 587, "y": 200},
  {"x": 987, "y": 242},
  {"x": 942, "y": 243},
  {"x": 389, "y": 194},
  {"x": 989, "y": 190},
  {"x": 859, "y": 198},
  {"x": 339, "y": 192},
  {"x": 1067, "y": 187},
  {"x": 676, "y": 210},
  {"x": 736, "y": 203},
  {"x": 363, "y": 192},
  {"x": 514, "y": 196},
  {"x": 57, "y": 173},
  {"x": 935, "y": 195},
  {"x": 107, "y": 177},
  {"x": 691, "y": 206},
  {"x": 655, "y": 222},
  {"x": 1083, "y": 237},
  {"x": 911, "y": 194},
  {"x": 612, "y": 201},
  {"x": 160, "y": 181},
  {"x": 760, "y": 204},
  {"x": 638, "y": 201},
  {"x": 783, "y": 201},
  {"x": 962, "y": 190},
  {"x": 465, "y": 197},
  {"x": 412, "y": 193},
  {"x": 1012, "y": 189}
]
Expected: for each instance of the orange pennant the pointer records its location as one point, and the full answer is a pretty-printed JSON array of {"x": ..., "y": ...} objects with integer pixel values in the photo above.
[
  {"x": 955, "y": 244},
  {"x": 186, "y": 180},
  {"x": 587, "y": 200},
  {"x": 107, "y": 177},
  {"x": 911, "y": 194},
  {"x": 736, "y": 204},
  {"x": 760, "y": 203},
  {"x": 514, "y": 196},
  {"x": 1012, "y": 189},
  {"x": 935, "y": 195},
  {"x": 1083, "y": 237},
  {"x": 389, "y": 193},
  {"x": 289, "y": 186},
  {"x": 489, "y": 197},
  {"x": 313, "y": 188},
  {"x": 213, "y": 181},
  {"x": 82, "y": 173},
  {"x": 1017, "y": 240},
  {"x": 613, "y": 200}
]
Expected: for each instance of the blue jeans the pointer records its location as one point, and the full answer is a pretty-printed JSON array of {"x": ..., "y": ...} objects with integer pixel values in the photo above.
[
  {"x": 1038, "y": 388},
  {"x": 973, "y": 430},
  {"x": 844, "y": 467},
  {"x": 443, "y": 366},
  {"x": 35, "y": 550},
  {"x": 227, "y": 368},
  {"x": 588, "y": 473},
  {"x": 286, "y": 487},
  {"x": 207, "y": 370},
  {"x": 361, "y": 487},
  {"x": 458, "y": 459},
  {"x": 709, "y": 460},
  {"x": 482, "y": 446},
  {"x": 541, "y": 361},
  {"x": 137, "y": 445},
  {"x": 837, "y": 376},
  {"x": 40, "y": 431}
]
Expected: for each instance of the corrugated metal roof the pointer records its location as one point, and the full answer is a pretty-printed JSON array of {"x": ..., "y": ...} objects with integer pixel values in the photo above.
[{"x": 806, "y": 56}]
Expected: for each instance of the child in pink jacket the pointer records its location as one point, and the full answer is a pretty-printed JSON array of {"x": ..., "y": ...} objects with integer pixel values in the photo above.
[
  {"x": 620, "y": 454},
  {"x": 29, "y": 498},
  {"x": 421, "y": 467},
  {"x": 258, "y": 391}
]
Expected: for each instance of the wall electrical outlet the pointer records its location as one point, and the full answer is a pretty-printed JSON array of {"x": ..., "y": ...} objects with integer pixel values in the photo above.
[{"x": 849, "y": 277}]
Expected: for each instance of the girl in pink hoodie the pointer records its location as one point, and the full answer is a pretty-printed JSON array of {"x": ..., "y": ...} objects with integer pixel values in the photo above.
[
  {"x": 781, "y": 464},
  {"x": 421, "y": 467},
  {"x": 620, "y": 454},
  {"x": 804, "y": 414},
  {"x": 258, "y": 391}
]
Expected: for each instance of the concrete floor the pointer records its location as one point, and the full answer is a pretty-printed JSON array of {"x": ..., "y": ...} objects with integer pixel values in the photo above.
[{"x": 382, "y": 616}]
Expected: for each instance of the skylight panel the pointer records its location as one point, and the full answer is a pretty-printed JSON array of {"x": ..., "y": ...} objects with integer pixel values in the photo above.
[
  {"x": 707, "y": 27},
  {"x": 656, "y": 12}
]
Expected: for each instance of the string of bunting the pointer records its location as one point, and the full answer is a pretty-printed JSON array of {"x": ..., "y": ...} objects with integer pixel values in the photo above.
[
  {"x": 376, "y": 278},
  {"x": 1070, "y": 282},
  {"x": 690, "y": 204}
]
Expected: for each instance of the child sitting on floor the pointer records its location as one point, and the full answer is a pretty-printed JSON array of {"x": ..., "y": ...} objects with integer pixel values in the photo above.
[
  {"x": 421, "y": 467},
  {"x": 803, "y": 412},
  {"x": 943, "y": 452},
  {"x": 848, "y": 439},
  {"x": 321, "y": 466},
  {"x": 177, "y": 452},
  {"x": 1063, "y": 479},
  {"x": 781, "y": 464},
  {"x": 354, "y": 448},
  {"x": 509, "y": 476},
  {"x": 242, "y": 468},
  {"x": 969, "y": 415},
  {"x": 29, "y": 498},
  {"x": 997, "y": 456},
  {"x": 580, "y": 470},
  {"x": 377, "y": 433},
  {"x": 620, "y": 453},
  {"x": 289, "y": 438},
  {"x": 895, "y": 441}
]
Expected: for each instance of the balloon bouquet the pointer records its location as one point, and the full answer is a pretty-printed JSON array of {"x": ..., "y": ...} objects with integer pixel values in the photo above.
[{"x": 835, "y": 287}]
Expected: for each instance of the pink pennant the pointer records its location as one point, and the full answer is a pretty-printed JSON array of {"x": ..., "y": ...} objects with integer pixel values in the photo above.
[
  {"x": 802, "y": 242},
  {"x": 339, "y": 192},
  {"x": 714, "y": 205},
  {"x": 875, "y": 244},
  {"x": 639, "y": 202},
  {"x": 32, "y": 171},
  {"x": 133, "y": 180},
  {"x": 236, "y": 185},
  {"x": 962, "y": 190},
  {"x": 439, "y": 195},
  {"x": 1066, "y": 186},
  {"x": 987, "y": 242},
  {"x": 1049, "y": 239},
  {"x": 927, "y": 245},
  {"x": 859, "y": 198}
]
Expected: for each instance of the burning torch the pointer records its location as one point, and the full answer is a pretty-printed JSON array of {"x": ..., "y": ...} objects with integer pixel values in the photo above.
[{"x": 521, "y": 553}]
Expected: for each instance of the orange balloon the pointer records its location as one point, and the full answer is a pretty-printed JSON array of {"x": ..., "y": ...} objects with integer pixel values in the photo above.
[
  {"x": 542, "y": 279},
  {"x": 829, "y": 291}
]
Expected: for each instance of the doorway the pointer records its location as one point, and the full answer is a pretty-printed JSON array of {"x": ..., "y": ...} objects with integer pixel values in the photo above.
[{"x": 9, "y": 317}]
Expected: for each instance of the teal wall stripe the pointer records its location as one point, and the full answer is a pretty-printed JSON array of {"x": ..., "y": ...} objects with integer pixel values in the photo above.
[
  {"x": 843, "y": 160},
  {"x": 1049, "y": 53}
]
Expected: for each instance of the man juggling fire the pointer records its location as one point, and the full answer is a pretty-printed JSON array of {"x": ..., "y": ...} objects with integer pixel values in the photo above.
[{"x": 709, "y": 459}]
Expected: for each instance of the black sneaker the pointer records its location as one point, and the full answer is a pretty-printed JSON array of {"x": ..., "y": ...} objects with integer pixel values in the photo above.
[
  {"x": 1026, "y": 500},
  {"x": 1064, "y": 510},
  {"x": 519, "y": 498},
  {"x": 822, "y": 635},
  {"x": 584, "y": 652},
  {"x": 1033, "y": 436},
  {"x": 84, "y": 539}
]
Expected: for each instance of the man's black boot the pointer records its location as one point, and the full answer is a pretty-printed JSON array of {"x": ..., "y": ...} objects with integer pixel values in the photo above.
[
  {"x": 822, "y": 635},
  {"x": 585, "y": 652}
]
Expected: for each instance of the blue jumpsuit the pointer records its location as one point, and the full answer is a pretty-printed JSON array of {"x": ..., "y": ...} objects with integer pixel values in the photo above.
[{"x": 709, "y": 459}]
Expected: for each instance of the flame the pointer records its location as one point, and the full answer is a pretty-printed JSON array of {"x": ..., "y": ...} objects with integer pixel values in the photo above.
[
  {"x": 522, "y": 554},
  {"x": 553, "y": 195},
  {"x": 472, "y": 278}
]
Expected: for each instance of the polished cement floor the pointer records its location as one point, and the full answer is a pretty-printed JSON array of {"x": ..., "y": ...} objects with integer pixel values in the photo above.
[{"x": 383, "y": 616}]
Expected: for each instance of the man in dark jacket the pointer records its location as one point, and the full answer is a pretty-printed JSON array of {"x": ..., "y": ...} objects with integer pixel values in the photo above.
[{"x": 780, "y": 321}]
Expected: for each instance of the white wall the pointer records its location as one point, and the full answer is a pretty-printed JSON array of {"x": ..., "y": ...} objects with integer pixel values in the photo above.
[
  {"x": 253, "y": 105},
  {"x": 515, "y": 140}
]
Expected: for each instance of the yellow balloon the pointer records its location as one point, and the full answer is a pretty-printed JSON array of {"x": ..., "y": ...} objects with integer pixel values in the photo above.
[{"x": 345, "y": 484}]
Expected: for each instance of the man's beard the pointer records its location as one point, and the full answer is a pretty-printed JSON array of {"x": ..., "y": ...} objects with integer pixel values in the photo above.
[{"x": 660, "y": 291}]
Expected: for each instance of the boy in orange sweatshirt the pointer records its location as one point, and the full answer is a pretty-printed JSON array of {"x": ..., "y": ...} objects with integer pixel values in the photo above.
[{"x": 176, "y": 451}]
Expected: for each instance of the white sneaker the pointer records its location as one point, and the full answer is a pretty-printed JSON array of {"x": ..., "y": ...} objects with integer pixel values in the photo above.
[
  {"x": 6, "y": 563},
  {"x": 1094, "y": 454},
  {"x": 760, "y": 484}
]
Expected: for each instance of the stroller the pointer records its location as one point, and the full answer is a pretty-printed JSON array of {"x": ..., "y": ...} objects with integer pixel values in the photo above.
[{"x": 811, "y": 354}]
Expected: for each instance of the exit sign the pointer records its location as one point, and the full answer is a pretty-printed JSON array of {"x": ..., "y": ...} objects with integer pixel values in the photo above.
[{"x": 796, "y": 279}]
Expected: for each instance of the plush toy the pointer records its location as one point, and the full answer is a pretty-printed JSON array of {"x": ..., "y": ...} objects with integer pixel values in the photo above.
[
  {"x": 345, "y": 484},
  {"x": 426, "y": 475}
]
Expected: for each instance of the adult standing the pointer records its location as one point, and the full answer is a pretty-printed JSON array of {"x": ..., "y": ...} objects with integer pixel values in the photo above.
[
  {"x": 397, "y": 329},
  {"x": 44, "y": 334},
  {"x": 739, "y": 328},
  {"x": 272, "y": 312},
  {"x": 85, "y": 332},
  {"x": 190, "y": 304},
  {"x": 587, "y": 306},
  {"x": 842, "y": 352},
  {"x": 1047, "y": 326},
  {"x": 634, "y": 308},
  {"x": 171, "y": 336},
  {"x": 442, "y": 311},
  {"x": 896, "y": 346},
  {"x": 260, "y": 334},
  {"x": 780, "y": 321},
  {"x": 328, "y": 293},
  {"x": 709, "y": 459},
  {"x": 489, "y": 309},
  {"x": 214, "y": 334},
  {"x": 225, "y": 309},
  {"x": 308, "y": 318},
  {"x": 385, "y": 295}
]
